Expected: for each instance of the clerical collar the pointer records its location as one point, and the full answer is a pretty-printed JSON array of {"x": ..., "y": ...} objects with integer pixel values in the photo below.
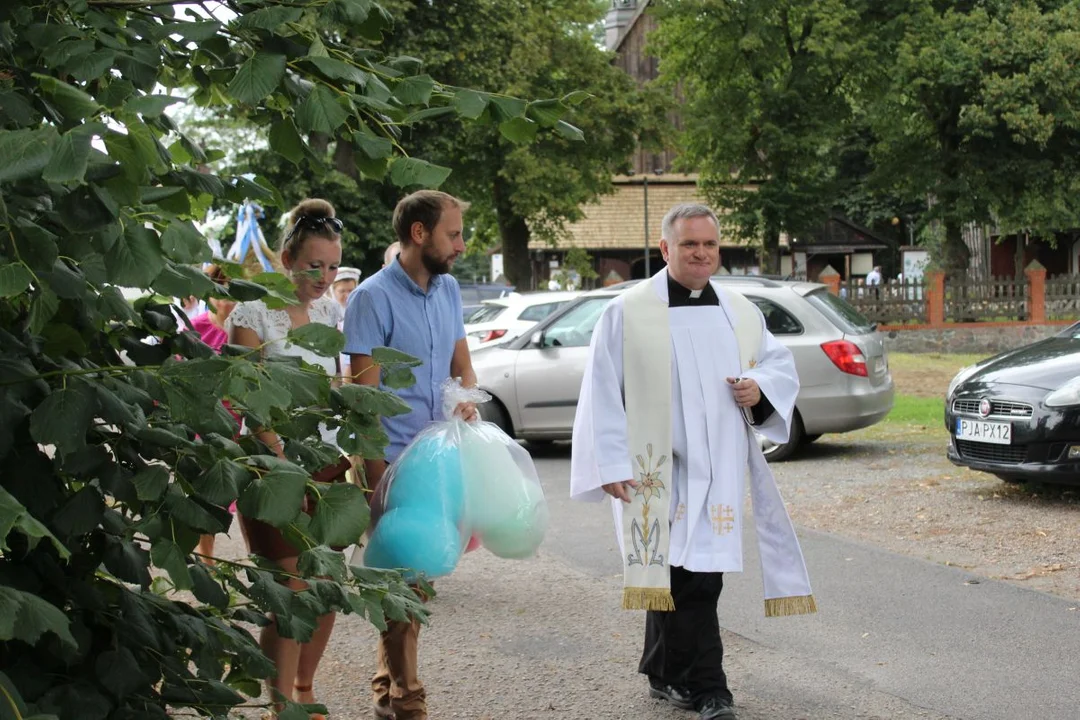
[{"x": 681, "y": 296}]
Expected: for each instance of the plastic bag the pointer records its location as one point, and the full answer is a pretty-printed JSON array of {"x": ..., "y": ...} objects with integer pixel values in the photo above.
[{"x": 455, "y": 484}]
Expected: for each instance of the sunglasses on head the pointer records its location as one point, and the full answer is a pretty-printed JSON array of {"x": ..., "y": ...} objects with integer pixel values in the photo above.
[{"x": 316, "y": 223}]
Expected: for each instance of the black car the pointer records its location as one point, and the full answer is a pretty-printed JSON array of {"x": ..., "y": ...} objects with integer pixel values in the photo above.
[{"x": 1017, "y": 414}]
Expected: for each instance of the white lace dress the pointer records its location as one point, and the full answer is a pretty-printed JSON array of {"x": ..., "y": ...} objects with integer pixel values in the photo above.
[{"x": 272, "y": 326}]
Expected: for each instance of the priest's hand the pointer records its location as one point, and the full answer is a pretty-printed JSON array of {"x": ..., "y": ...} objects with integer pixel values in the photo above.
[
  {"x": 620, "y": 490},
  {"x": 747, "y": 392}
]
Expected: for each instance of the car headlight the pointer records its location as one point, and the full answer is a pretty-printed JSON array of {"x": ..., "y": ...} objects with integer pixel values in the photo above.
[
  {"x": 1067, "y": 394},
  {"x": 960, "y": 377}
]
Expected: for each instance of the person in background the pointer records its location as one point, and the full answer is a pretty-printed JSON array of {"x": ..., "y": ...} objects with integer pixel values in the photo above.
[
  {"x": 874, "y": 276},
  {"x": 310, "y": 254},
  {"x": 392, "y": 251},
  {"x": 347, "y": 280},
  {"x": 211, "y": 328},
  {"x": 412, "y": 305}
]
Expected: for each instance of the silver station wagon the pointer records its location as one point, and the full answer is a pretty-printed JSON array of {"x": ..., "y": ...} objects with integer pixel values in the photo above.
[{"x": 843, "y": 369}]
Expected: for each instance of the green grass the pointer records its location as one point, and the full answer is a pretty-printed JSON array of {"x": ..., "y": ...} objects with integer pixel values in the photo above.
[{"x": 908, "y": 410}]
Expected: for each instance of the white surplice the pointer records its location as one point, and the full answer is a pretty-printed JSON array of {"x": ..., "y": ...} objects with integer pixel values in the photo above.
[{"x": 709, "y": 438}]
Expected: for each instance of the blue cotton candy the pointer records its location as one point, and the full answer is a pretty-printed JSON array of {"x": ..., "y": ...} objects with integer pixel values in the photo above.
[
  {"x": 409, "y": 537},
  {"x": 427, "y": 477}
]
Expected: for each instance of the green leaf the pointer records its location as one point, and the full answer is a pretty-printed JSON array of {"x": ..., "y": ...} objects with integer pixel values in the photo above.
[
  {"x": 168, "y": 556},
  {"x": 71, "y": 101},
  {"x": 275, "y": 497},
  {"x": 407, "y": 171},
  {"x": 519, "y": 130},
  {"x": 33, "y": 617},
  {"x": 68, "y": 163},
  {"x": 506, "y": 108},
  {"x": 320, "y": 339},
  {"x": 339, "y": 70},
  {"x": 365, "y": 437},
  {"x": 199, "y": 31},
  {"x": 546, "y": 112},
  {"x": 42, "y": 309},
  {"x": 81, "y": 513},
  {"x": 269, "y": 593},
  {"x": 286, "y": 141},
  {"x": 258, "y": 77},
  {"x": 307, "y": 387},
  {"x": 183, "y": 243},
  {"x": 415, "y": 90},
  {"x": 389, "y": 358},
  {"x": 575, "y": 98},
  {"x": 322, "y": 562},
  {"x": 63, "y": 417},
  {"x": 151, "y": 482},
  {"x": 373, "y": 146},
  {"x": 470, "y": 104},
  {"x": 15, "y": 279},
  {"x": 151, "y": 106},
  {"x": 14, "y": 516},
  {"x": 206, "y": 589},
  {"x": 135, "y": 258},
  {"x": 320, "y": 111},
  {"x": 268, "y": 18},
  {"x": 119, "y": 672},
  {"x": 25, "y": 153},
  {"x": 371, "y": 400},
  {"x": 341, "y": 515},
  {"x": 181, "y": 281},
  {"x": 221, "y": 483},
  {"x": 569, "y": 132},
  {"x": 428, "y": 113}
]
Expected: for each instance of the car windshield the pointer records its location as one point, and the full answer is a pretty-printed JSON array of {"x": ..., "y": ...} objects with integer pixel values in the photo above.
[
  {"x": 842, "y": 315},
  {"x": 574, "y": 329},
  {"x": 485, "y": 313}
]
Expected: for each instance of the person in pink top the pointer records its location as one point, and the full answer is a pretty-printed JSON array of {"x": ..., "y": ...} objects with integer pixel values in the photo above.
[{"x": 211, "y": 328}]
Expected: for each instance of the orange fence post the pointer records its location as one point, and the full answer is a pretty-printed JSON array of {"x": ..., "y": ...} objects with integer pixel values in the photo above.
[
  {"x": 1036, "y": 276},
  {"x": 935, "y": 298}
]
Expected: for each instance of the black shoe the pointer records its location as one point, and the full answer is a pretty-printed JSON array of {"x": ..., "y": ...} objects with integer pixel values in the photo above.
[
  {"x": 677, "y": 696},
  {"x": 715, "y": 708}
]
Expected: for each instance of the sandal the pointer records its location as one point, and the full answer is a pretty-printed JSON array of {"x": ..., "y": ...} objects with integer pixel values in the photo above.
[{"x": 307, "y": 689}]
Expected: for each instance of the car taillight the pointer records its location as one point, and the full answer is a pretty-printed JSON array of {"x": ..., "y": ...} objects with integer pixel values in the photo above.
[
  {"x": 492, "y": 335},
  {"x": 847, "y": 356}
]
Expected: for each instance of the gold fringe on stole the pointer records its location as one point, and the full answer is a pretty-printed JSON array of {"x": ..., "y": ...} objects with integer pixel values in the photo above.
[
  {"x": 642, "y": 598},
  {"x": 781, "y": 607}
]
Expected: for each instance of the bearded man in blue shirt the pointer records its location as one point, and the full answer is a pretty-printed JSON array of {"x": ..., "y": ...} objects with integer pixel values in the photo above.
[{"x": 412, "y": 305}]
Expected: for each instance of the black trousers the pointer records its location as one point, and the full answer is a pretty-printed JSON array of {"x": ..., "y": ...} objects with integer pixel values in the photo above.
[{"x": 683, "y": 648}]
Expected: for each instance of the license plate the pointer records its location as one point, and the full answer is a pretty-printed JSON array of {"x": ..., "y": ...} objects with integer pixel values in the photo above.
[{"x": 982, "y": 431}]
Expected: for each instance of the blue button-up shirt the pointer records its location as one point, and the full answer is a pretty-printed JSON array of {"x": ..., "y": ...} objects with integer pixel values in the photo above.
[{"x": 390, "y": 310}]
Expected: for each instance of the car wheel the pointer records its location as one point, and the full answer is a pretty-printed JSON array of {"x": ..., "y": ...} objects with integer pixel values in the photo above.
[
  {"x": 774, "y": 452},
  {"x": 807, "y": 439},
  {"x": 494, "y": 413}
]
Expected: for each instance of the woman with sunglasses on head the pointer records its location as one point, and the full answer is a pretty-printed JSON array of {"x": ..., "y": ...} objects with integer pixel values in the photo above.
[{"x": 310, "y": 254}]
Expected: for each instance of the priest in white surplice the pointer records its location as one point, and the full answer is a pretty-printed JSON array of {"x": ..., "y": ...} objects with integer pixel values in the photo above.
[{"x": 679, "y": 370}]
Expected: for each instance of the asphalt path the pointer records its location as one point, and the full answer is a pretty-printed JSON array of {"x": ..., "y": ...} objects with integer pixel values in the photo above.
[{"x": 894, "y": 637}]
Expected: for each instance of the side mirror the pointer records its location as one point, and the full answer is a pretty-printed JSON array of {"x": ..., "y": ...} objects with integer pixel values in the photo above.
[{"x": 537, "y": 339}]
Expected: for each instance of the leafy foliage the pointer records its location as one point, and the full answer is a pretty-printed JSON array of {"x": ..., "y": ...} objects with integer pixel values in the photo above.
[
  {"x": 777, "y": 77},
  {"x": 115, "y": 450}
]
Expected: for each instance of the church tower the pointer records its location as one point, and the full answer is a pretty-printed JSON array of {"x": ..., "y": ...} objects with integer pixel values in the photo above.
[{"x": 617, "y": 19}]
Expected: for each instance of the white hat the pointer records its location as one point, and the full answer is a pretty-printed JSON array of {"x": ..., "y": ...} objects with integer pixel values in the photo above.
[{"x": 347, "y": 273}]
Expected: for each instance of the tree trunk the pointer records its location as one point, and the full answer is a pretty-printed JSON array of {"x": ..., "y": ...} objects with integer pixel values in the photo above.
[
  {"x": 515, "y": 235},
  {"x": 770, "y": 251},
  {"x": 343, "y": 159},
  {"x": 954, "y": 251}
]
